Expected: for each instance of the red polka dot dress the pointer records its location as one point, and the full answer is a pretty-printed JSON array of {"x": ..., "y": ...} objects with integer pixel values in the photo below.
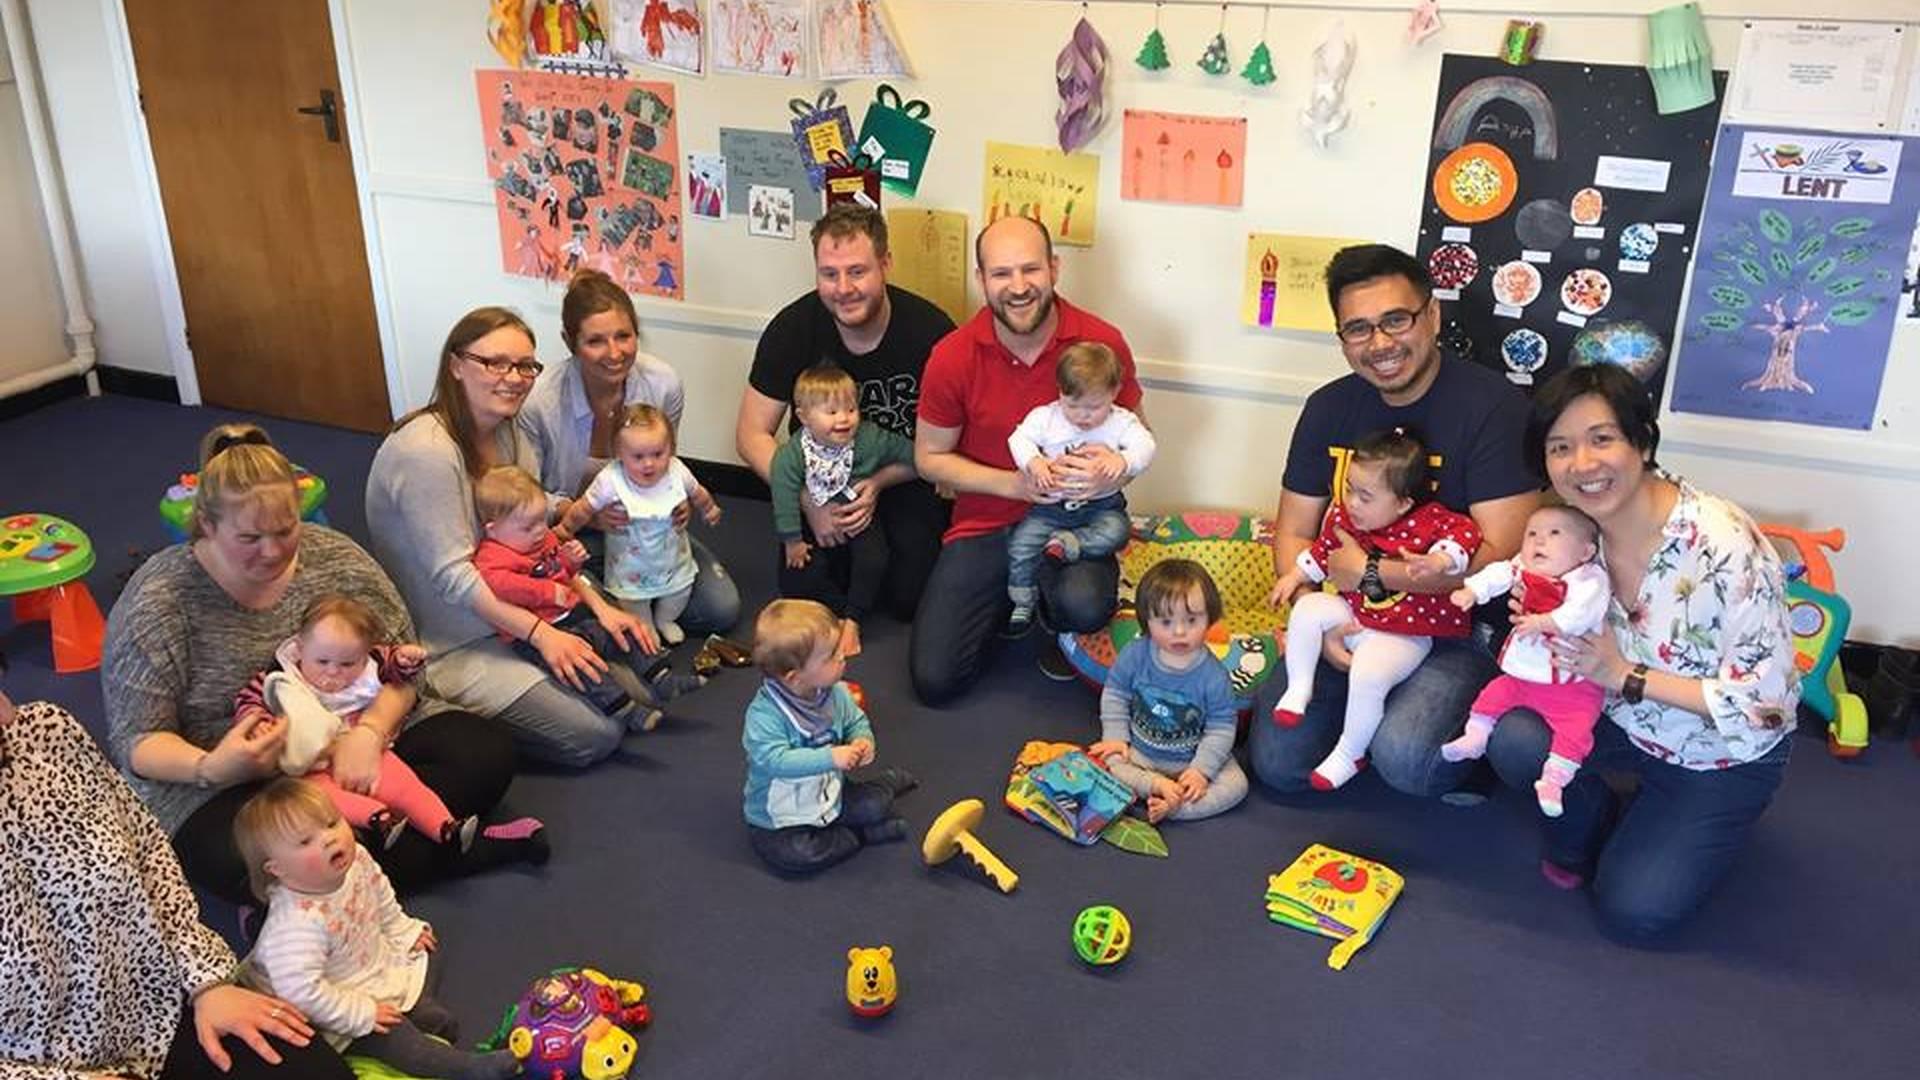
[{"x": 1427, "y": 527}]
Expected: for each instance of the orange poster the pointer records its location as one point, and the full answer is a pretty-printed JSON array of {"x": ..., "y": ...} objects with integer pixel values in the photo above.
[
  {"x": 1181, "y": 158},
  {"x": 585, "y": 172}
]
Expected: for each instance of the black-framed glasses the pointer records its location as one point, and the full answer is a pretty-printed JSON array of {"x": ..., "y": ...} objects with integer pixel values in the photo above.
[
  {"x": 1395, "y": 323},
  {"x": 498, "y": 366}
]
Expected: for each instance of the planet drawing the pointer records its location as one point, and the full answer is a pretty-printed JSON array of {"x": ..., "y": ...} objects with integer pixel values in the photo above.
[
  {"x": 1524, "y": 351},
  {"x": 1543, "y": 225},
  {"x": 1627, "y": 343},
  {"x": 1639, "y": 241}
]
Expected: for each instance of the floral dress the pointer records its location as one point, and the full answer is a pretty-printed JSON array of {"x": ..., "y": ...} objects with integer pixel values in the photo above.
[{"x": 1712, "y": 607}]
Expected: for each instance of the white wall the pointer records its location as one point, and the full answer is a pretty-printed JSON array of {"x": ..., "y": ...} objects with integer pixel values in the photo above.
[
  {"x": 1223, "y": 397},
  {"x": 31, "y": 314}
]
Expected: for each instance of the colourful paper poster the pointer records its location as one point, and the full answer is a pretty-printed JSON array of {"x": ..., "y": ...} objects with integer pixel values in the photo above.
[
  {"x": 1061, "y": 191},
  {"x": 769, "y": 159},
  {"x": 770, "y": 212},
  {"x": 930, "y": 257},
  {"x": 856, "y": 39},
  {"x": 1797, "y": 281},
  {"x": 666, "y": 33},
  {"x": 707, "y": 186},
  {"x": 585, "y": 173},
  {"x": 1181, "y": 158},
  {"x": 1285, "y": 286},
  {"x": 759, "y": 37}
]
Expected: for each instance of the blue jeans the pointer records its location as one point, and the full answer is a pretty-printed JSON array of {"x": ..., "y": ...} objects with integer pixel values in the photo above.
[
  {"x": 802, "y": 849},
  {"x": 606, "y": 695},
  {"x": 1428, "y": 708},
  {"x": 965, "y": 605},
  {"x": 1101, "y": 527},
  {"x": 1652, "y": 860}
]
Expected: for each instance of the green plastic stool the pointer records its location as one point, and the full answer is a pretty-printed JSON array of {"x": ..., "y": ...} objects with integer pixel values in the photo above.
[{"x": 42, "y": 561}]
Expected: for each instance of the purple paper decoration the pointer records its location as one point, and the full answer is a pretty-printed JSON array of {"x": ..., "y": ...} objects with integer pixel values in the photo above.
[{"x": 1081, "y": 71}]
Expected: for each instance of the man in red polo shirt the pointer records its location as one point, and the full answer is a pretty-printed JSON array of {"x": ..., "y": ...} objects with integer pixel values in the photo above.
[{"x": 980, "y": 381}]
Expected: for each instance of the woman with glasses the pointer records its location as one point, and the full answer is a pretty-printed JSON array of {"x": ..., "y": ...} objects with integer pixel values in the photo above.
[
  {"x": 200, "y": 618},
  {"x": 421, "y": 517},
  {"x": 575, "y": 410}
]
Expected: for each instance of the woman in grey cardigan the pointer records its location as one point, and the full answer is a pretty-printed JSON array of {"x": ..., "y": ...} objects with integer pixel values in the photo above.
[
  {"x": 575, "y": 409},
  {"x": 200, "y": 618},
  {"x": 421, "y": 518}
]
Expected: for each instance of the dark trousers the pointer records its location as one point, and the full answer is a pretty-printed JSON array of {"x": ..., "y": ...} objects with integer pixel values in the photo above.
[
  {"x": 802, "y": 849},
  {"x": 884, "y": 568},
  {"x": 1652, "y": 861},
  {"x": 965, "y": 605},
  {"x": 847, "y": 578},
  {"x": 467, "y": 759},
  {"x": 187, "y": 1061},
  {"x": 607, "y": 695}
]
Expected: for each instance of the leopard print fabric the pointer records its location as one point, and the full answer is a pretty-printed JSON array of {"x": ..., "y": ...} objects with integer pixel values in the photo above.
[{"x": 101, "y": 943}]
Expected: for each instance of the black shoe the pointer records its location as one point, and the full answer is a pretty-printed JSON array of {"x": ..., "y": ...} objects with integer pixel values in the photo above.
[
  {"x": 1475, "y": 789},
  {"x": 1054, "y": 663},
  {"x": 884, "y": 832},
  {"x": 1018, "y": 624}
]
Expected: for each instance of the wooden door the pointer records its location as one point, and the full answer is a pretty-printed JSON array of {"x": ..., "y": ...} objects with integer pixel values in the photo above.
[{"x": 261, "y": 206}]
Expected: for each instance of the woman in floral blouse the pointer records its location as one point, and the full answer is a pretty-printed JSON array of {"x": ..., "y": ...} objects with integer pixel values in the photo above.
[
  {"x": 105, "y": 967},
  {"x": 1696, "y": 659}
]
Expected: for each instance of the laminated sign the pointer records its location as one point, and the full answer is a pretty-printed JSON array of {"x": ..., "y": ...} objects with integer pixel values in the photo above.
[{"x": 896, "y": 136}]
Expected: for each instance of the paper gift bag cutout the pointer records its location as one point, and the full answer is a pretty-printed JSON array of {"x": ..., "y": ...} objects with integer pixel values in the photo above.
[
  {"x": 1679, "y": 59},
  {"x": 895, "y": 135},
  {"x": 821, "y": 128},
  {"x": 853, "y": 179}
]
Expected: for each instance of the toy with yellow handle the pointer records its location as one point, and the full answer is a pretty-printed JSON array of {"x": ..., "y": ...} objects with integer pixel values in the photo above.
[
  {"x": 1818, "y": 618},
  {"x": 507, "y": 30},
  {"x": 952, "y": 833}
]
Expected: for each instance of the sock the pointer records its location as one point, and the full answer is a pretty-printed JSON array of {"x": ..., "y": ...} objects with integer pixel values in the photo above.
[
  {"x": 1287, "y": 711},
  {"x": 460, "y": 831},
  {"x": 520, "y": 840},
  {"x": 1472, "y": 743},
  {"x": 1560, "y": 877},
  {"x": 643, "y": 718},
  {"x": 884, "y": 832},
  {"x": 671, "y": 633},
  {"x": 1554, "y": 778},
  {"x": 1336, "y": 770}
]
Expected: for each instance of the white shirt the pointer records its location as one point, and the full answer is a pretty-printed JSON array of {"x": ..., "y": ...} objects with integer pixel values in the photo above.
[{"x": 1046, "y": 432}]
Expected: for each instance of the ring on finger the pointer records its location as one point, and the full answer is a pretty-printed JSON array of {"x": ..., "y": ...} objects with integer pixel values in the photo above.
[{"x": 274, "y": 1013}]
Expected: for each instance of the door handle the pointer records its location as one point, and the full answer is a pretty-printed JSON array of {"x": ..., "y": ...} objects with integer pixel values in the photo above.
[{"x": 327, "y": 112}]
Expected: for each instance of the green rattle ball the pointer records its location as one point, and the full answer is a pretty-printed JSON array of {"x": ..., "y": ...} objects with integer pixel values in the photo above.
[{"x": 1102, "y": 935}]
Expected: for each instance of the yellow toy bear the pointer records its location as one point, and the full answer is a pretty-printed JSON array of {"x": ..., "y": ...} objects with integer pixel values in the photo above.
[{"x": 871, "y": 984}]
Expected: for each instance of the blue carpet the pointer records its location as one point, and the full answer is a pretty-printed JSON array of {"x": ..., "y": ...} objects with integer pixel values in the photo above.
[{"x": 1803, "y": 964}]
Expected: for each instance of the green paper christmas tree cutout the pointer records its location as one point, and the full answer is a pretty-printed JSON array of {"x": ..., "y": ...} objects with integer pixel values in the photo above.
[
  {"x": 1259, "y": 69},
  {"x": 1214, "y": 60},
  {"x": 1153, "y": 54}
]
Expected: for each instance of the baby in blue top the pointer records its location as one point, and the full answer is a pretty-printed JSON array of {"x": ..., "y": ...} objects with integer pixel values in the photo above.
[
  {"x": 1167, "y": 717},
  {"x": 804, "y": 734}
]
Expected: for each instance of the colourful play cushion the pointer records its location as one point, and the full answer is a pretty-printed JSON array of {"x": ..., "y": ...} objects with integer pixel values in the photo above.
[
  {"x": 39, "y": 551},
  {"x": 1237, "y": 550},
  {"x": 177, "y": 504}
]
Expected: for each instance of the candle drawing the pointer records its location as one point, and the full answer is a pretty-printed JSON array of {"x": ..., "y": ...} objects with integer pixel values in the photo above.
[
  {"x": 1269, "y": 287},
  {"x": 1225, "y": 162}
]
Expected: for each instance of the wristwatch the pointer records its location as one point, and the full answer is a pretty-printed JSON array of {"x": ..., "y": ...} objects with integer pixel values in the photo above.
[
  {"x": 1371, "y": 586},
  {"x": 1634, "y": 686}
]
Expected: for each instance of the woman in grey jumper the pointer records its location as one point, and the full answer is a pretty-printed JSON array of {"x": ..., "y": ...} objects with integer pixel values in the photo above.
[
  {"x": 421, "y": 518},
  {"x": 575, "y": 409}
]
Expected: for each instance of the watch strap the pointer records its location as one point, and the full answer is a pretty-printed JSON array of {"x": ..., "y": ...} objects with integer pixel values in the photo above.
[{"x": 1634, "y": 687}]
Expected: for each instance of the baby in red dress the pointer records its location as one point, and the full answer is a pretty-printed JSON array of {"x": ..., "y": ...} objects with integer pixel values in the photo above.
[
  {"x": 1381, "y": 507},
  {"x": 1564, "y": 591}
]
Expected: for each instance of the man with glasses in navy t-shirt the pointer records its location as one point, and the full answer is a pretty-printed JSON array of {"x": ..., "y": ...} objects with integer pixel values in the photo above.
[{"x": 1472, "y": 421}]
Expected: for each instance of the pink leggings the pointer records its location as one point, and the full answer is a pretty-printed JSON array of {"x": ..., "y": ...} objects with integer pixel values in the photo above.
[
  {"x": 1569, "y": 709},
  {"x": 400, "y": 790}
]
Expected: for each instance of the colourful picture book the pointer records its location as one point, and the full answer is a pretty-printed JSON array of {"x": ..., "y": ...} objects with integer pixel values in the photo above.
[{"x": 1336, "y": 895}]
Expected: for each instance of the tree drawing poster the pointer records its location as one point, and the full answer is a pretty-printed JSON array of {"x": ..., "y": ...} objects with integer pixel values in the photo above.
[
  {"x": 1797, "y": 283},
  {"x": 1558, "y": 215},
  {"x": 585, "y": 172}
]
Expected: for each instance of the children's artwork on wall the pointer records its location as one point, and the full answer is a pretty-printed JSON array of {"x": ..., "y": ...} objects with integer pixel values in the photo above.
[
  {"x": 895, "y": 134},
  {"x": 854, "y": 180},
  {"x": 1284, "y": 285},
  {"x": 707, "y": 186},
  {"x": 930, "y": 257},
  {"x": 1911, "y": 286},
  {"x": 1797, "y": 284},
  {"x": 567, "y": 38},
  {"x": 1183, "y": 158},
  {"x": 768, "y": 159},
  {"x": 821, "y": 129},
  {"x": 507, "y": 30},
  {"x": 770, "y": 212},
  {"x": 583, "y": 170},
  {"x": 1424, "y": 22},
  {"x": 1326, "y": 110},
  {"x": 1080, "y": 74},
  {"x": 1058, "y": 190},
  {"x": 856, "y": 39},
  {"x": 759, "y": 37},
  {"x": 1559, "y": 214},
  {"x": 665, "y": 33}
]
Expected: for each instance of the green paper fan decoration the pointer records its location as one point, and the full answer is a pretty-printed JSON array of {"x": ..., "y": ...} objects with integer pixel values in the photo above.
[
  {"x": 1153, "y": 54},
  {"x": 1214, "y": 61},
  {"x": 1259, "y": 69}
]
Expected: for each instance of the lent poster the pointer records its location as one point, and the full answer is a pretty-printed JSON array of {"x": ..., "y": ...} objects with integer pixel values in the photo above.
[
  {"x": 1797, "y": 283},
  {"x": 1558, "y": 215},
  {"x": 1284, "y": 285},
  {"x": 585, "y": 172},
  {"x": 1061, "y": 191}
]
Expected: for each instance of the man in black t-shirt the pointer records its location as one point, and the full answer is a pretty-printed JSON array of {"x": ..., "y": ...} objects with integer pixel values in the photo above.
[
  {"x": 881, "y": 336},
  {"x": 1472, "y": 421}
]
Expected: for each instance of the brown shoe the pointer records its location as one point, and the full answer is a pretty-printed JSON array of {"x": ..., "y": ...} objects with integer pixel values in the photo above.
[
  {"x": 706, "y": 662},
  {"x": 731, "y": 653}
]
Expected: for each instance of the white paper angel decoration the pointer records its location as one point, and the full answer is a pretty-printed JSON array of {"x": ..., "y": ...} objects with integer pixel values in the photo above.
[
  {"x": 1425, "y": 21},
  {"x": 1326, "y": 110}
]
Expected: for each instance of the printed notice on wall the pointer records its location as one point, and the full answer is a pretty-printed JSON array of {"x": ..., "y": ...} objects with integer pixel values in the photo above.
[{"x": 1834, "y": 75}]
